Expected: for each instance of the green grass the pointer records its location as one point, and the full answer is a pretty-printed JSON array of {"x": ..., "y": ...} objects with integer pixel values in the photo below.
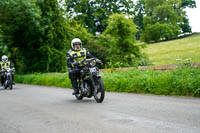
[
  {"x": 182, "y": 81},
  {"x": 48, "y": 79},
  {"x": 168, "y": 52}
]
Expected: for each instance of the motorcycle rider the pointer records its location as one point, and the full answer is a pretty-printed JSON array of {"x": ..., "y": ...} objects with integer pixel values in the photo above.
[
  {"x": 5, "y": 64},
  {"x": 74, "y": 58}
]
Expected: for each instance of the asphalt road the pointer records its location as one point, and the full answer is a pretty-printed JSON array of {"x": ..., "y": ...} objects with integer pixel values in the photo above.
[{"x": 39, "y": 109}]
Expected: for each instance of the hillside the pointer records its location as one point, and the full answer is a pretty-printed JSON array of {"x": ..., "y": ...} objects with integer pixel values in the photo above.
[{"x": 176, "y": 51}]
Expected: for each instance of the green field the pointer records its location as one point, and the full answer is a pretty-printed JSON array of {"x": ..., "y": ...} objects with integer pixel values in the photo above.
[{"x": 175, "y": 51}]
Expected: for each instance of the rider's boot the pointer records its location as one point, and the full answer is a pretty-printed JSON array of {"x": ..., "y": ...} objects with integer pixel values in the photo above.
[
  {"x": 75, "y": 91},
  {"x": 1, "y": 81}
]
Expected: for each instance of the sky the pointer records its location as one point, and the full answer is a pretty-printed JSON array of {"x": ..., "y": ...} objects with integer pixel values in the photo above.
[{"x": 194, "y": 17}]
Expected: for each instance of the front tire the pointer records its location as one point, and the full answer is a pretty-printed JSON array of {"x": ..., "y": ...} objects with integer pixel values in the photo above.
[
  {"x": 100, "y": 94},
  {"x": 10, "y": 85},
  {"x": 5, "y": 85}
]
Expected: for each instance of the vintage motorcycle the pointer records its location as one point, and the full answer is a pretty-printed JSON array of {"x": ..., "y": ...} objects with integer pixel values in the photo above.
[
  {"x": 90, "y": 82},
  {"x": 8, "y": 81}
]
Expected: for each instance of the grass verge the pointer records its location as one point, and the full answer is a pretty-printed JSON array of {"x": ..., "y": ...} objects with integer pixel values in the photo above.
[
  {"x": 181, "y": 81},
  {"x": 47, "y": 79}
]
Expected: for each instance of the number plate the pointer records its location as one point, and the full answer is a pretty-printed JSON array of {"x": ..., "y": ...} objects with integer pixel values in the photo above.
[{"x": 92, "y": 69}]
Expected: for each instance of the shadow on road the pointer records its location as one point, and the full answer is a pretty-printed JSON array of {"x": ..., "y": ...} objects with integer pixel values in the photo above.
[
  {"x": 14, "y": 88},
  {"x": 1, "y": 89},
  {"x": 82, "y": 101}
]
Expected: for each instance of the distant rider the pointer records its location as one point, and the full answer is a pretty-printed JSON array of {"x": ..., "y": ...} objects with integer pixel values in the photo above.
[
  {"x": 74, "y": 58},
  {"x": 5, "y": 64}
]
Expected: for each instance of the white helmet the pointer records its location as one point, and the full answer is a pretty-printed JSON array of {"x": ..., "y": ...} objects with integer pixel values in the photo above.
[
  {"x": 76, "y": 41},
  {"x": 4, "y": 58}
]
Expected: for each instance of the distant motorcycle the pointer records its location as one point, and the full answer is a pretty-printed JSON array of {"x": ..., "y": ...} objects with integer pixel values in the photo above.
[
  {"x": 90, "y": 82},
  {"x": 8, "y": 81}
]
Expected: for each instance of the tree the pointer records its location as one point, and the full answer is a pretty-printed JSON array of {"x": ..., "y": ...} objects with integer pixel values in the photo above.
[
  {"x": 188, "y": 3},
  {"x": 119, "y": 39},
  {"x": 185, "y": 26},
  {"x": 19, "y": 19},
  {"x": 140, "y": 13},
  {"x": 78, "y": 31},
  {"x": 54, "y": 38},
  {"x": 139, "y": 9},
  {"x": 162, "y": 19},
  {"x": 94, "y": 14},
  {"x": 37, "y": 34},
  {"x": 3, "y": 46}
]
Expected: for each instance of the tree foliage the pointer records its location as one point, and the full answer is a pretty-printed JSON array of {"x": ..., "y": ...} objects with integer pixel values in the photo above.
[
  {"x": 20, "y": 23},
  {"x": 140, "y": 13},
  {"x": 94, "y": 14},
  {"x": 185, "y": 26},
  {"x": 159, "y": 31},
  {"x": 38, "y": 34},
  {"x": 3, "y": 46},
  {"x": 188, "y": 3},
  {"x": 161, "y": 20},
  {"x": 120, "y": 41}
]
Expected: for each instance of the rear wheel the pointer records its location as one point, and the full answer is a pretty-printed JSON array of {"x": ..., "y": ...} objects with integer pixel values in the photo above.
[{"x": 100, "y": 92}]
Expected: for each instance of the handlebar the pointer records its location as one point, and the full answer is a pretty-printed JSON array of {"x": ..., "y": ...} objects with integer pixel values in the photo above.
[
  {"x": 87, "y": 61},
  {"x": 8, "y": 69}
]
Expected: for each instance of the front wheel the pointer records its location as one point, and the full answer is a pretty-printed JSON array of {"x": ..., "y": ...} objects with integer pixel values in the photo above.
[
  {"x": 10, "y": 85},
  {"x": 5, "y": 85},
  {"x": 100, "y": 92}
]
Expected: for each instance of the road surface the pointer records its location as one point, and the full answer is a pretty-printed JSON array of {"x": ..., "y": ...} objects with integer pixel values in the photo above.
[{"x": 39, "y": 109}]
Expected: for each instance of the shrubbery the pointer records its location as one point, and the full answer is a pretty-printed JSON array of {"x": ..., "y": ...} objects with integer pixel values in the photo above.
[{"x": 182, "y": 81}]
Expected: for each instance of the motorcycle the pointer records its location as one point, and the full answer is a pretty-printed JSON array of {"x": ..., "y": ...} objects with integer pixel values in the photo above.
[
  {"x": 90, "y": 82},
  {"x": 7, "y": 75}
]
